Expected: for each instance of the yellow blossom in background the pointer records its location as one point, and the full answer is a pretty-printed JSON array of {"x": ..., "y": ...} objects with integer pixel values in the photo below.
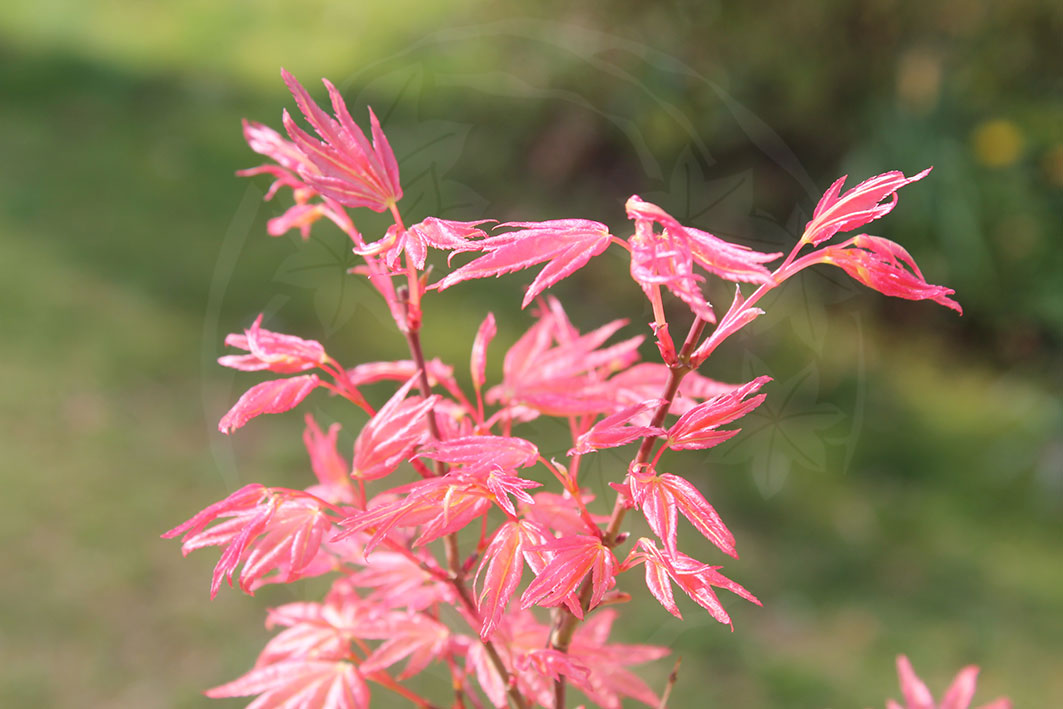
[{"x": 996, "y": 143}]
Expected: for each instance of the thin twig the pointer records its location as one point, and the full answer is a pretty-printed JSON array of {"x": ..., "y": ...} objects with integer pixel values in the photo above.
[{"x": 673, "y": 677}]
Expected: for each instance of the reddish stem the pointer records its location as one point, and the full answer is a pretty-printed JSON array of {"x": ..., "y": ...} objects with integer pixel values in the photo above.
[{"x": 566, "y": 623}]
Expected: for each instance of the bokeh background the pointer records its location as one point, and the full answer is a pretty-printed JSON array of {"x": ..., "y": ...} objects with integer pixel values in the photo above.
[{"x": 901, "y": 491}]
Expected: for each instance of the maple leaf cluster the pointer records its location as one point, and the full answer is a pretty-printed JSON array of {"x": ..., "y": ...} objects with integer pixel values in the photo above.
[{"x": 438, "y": 459}]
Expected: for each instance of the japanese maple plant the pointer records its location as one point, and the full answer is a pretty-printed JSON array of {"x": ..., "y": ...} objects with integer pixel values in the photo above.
[{"x": 532, "y": 583}]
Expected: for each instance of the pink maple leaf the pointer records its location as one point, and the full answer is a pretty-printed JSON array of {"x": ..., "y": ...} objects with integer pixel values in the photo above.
[
  {"x": 481, "y": 453},
  {"x": 695, "y": 578},
  {"x": 412, "y": 635},
  {"x": 617, "y": 429},
  {"x": 400, "y": 371},
  {"x": 494, "y": 484},
  {"x": 442, "y": 234},
  {"x": 290, "y": 161},
  {"x": 957, "y": 696},
  {"x": 555, "y": 370},
  {"x": 313, "y": 631},
  {"x": 300, "y": 684},
  {"x": 608, "y": 680},
  {"x": 272, "y": 397},
  {"x": 738, "y": 316},
  {"x": 857, "y": 207},
  {"x": 438, "y": 505},
  {"x": 667, "y": 259},
  {"x": 572, "y": 559},
  {"x": 552, "y": 664},
  {"x": 885, "y": 266},
  {"x": 567, "y": 244},
  {"x": 660, "y": 497},
  {"x": 478, "y": 359},
  {"x": 266, "y": 141},
  {"x": 348, "y": 169},
  {"x": 398, "y": 580},
  {"x": 648, "y": 379},
  {"x": 561, "y": 513},
  {"x": 517, "y": 635},
  {"x": 697, "y": 427},
  {"x": 264, "y": 529},
  {"x": 331, "y": 470},
  {"x": 392, "y": 434},
  {"x": 502, "y": 566}
]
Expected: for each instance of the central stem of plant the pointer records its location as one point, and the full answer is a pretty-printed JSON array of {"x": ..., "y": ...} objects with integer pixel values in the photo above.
[
  {"x": 566, "y": 623},
  {"x": 450, "y": 541}
]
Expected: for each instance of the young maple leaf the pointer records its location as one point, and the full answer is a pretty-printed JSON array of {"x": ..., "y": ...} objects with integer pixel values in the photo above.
[
  {"x": 567, "y": 244},
  {"x": 412, "y": 635},
  {"x": 482, "y": 453},
  {"x": 616, "y": 429},
  {"x": 348, "y": 169},
  {"x": 661, "y": 496},
  {"x": 272, "y": 397},
  {"x": 667, "y": 259},
  {"x": 400, "y": 582},
  {"x": 441, "y": 234},
  {"x": 697, "y": 427},
  {"x": 400, "y": 371},
  {"x": 738, "y": 316},
  {"x": 647, "y": 379},
  {"x": 957, "y": 696},
  {"x": 885, "y": 266},
  {"x": 608, "y": 680},
  {"x": 274, "y": 351},
  {"x": 695, "y": 578},
  {"x": 392, "y": 434},
  {"x": 264, "y": 529},
  {"x": 552, "y": 664},
  {"x": 438, "y": 505},
  {"x": 517, "y": 635},
  {"x": 560, "y": 513},
  {"x": 313, "y": 631},
  {"x": 572, "y": 559},
  {"x": 555, "y": 370},
  {"x": 857, "y": 207},
  {"x": 502, "y": 566},
  {"x": 290, "y": 161},
  {"x": 300, "y": 684},
  {"x": 331, "y": 470},
  {"x": 478, "y": 359}
]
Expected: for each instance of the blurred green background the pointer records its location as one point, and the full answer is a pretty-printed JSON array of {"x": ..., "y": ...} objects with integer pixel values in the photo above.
[{"x": 901, "y": 490}]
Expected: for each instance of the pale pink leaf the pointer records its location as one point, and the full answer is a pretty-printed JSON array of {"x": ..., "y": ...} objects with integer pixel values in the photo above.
[
  {"x": 272, "y": 397},
  {"x": 476, "y": 453},
  {"x": 478, "y": 360},
  {"x": 567, "y": 244},
  {"x": 857, "y": 207},
  {"x": 300, "y": 684}
]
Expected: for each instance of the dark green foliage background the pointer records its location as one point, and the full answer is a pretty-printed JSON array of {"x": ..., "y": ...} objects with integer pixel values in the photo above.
[{"x": 901, "y": 490}]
